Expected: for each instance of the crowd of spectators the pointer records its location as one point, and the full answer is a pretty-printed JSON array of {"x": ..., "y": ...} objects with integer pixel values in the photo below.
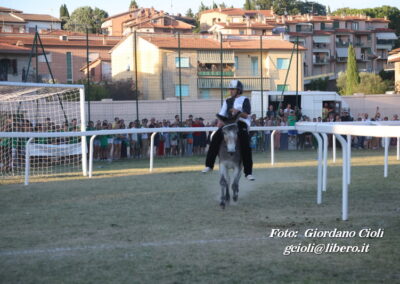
[{"x": 115, "y": 147}]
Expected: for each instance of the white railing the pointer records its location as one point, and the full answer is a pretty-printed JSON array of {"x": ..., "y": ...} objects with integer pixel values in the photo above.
[{"x": 385, "y": 129}]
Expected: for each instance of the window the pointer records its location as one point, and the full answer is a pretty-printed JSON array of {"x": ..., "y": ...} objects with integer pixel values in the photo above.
[
  {"x": 254, "y": 66},
  {"x": 42, "y": 59},
  {"x": 69, "y": 67},
  {"x": 204, "y": 93},
  {"x": 236, "y": 63},
  {"x": 354, "y": 26},
  {"x": 241, "y": 32},
  {"x": 322, "y": 26},
  {"x": 184, "y": 88},
  {"x": 336, "y": 24},
  {"x": 282, "y": 87},
  {"x": 283, "y": 63},
  {"x": 92, "y": 72},
  {"x": 184, "y": 62}
]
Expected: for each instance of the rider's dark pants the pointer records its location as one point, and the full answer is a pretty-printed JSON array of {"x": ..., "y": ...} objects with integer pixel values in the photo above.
[{"x": 245, "y": 150}]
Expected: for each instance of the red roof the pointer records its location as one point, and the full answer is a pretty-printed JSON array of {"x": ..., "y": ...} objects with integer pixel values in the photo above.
[
  {"x": 13, "y": 49},
  {"x": 27, "y": 39},
  {"x": 38, "y": 18},
  {"x": 207, "y": 43},
  {"x": 8, "y": 18},
  {"x": 239, "y": 12}
]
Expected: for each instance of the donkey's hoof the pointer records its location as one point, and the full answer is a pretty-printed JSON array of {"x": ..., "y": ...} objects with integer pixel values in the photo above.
[
  {"x": 235, "y": 198},
  {"x": 227, "y": 198},
  {"x": 222, "y": 205}
]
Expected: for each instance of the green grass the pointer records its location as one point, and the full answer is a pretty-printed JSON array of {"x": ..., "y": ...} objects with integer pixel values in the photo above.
[{"x": 167, "y": 227}]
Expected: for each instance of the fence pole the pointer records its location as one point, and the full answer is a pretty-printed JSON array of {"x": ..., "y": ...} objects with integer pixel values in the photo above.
[
  {"x": 261, "y": 84},
  {"x": 88, "y": 73},
  {"x": 180, "y": 78},
  {"x": 221, "y": 68},
  {"x": 136, "y": 76}
]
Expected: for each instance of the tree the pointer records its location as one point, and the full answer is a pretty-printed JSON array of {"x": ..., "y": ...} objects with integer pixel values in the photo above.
[
  {"x": 249, "y": 5},
  {"x": 328, "y": 10},
  {"x": 370, "y": 83},
  {"x": 352, "y": 76},
  {"x": 202, "y": 7},
  {"x": 64, "y": 15},
  {"x": 282, "y": 7},
  {"x": 189, "y": 13},
  {"x": 133, "y": 5},
  {"x": 85, "y": 17}
]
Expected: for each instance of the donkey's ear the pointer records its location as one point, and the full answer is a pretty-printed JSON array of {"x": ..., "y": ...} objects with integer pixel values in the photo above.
[{"x": 220, "y": 117}]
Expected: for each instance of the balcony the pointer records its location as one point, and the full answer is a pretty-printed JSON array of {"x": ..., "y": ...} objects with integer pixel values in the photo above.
[
  {"x": 340, "y": 43},
  {"x": 321, "y": 61},
  {"x": 384, "y": 46},
  {"x": 249, "y": 83},
  {"x": 388, "y": 66},
  {"x": 216, "y": 73}
]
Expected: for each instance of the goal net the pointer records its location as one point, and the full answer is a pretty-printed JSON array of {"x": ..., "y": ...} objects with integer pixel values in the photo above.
[{"x": 41, "y": 109}]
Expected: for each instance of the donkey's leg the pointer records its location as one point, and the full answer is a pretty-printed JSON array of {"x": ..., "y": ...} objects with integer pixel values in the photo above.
[
  {"x": 223, "y": 183},
  {"x": 237, "y": 171},
  {"x": 228, "y": 183}
]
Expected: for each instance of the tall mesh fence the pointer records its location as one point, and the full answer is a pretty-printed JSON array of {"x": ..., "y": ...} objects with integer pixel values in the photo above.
[{"x": 42, "y": 110}]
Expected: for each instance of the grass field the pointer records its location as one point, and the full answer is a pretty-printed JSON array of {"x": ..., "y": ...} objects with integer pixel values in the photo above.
[{"x": 128, "y": 226}]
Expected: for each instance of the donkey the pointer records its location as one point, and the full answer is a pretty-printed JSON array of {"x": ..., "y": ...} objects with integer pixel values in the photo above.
[{"x": 229, "y": 158}]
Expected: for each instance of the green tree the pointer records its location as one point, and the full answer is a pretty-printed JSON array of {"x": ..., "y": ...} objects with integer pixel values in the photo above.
[
  {"x": 312, "y": 8},
  {"x": 64, "y": 15},
  {"x": 249, "y": 5},
  {"x": 189, "y": 13},
  {"x": 203, "y": 7},
  {"x": 85, "y": 17},
  {"x": 352, "y": 76},
  {"x": 328, "y": 10},
  {"x": 133, "y": 5}
]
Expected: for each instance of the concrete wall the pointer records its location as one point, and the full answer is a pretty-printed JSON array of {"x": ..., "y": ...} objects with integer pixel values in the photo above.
[{"x": 388, "y": 104}]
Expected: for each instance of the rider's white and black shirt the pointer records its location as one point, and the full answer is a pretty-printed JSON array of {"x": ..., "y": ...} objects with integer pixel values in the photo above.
[{"x": 240, "y": 103}]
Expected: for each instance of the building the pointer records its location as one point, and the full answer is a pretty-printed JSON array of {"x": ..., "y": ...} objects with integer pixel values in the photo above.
[
  {"x": 13, "y": 59},
  {"x": 326, "y": 38},
  {"x": 200, "y": 61},
  {"x": 394, "y": 64},
  {"x": 65, "y": 51},
  {"x": 15, "y": 21},
  {"x": 237, "y": 21},
  {"x": 144, "y": 20},
  {"x": 100, "y": 69}
]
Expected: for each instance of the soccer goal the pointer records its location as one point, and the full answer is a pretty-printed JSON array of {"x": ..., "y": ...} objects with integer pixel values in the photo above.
[{"x": 29, "y": 112}]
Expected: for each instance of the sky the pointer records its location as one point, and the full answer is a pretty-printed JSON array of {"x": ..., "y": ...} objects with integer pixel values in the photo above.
[{"x": 52, "y": 7}]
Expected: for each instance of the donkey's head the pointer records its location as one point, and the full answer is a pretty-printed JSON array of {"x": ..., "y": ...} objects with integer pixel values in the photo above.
[{"x": 230, "y": 132}]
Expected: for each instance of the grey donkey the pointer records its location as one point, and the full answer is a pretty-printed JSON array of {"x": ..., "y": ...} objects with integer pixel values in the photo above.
[{"x": 229, "y": 158}]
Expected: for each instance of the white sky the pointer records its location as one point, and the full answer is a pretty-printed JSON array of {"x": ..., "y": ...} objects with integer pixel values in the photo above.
[{"x": 52, "y": 7}]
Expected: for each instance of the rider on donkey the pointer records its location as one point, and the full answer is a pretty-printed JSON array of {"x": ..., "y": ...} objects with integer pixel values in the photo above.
[{"x": 233, "y": 105}]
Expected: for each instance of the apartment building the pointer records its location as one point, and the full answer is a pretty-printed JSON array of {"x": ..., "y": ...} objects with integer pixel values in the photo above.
[
  {"x": 65, "y": 51},
  {"x": 144, "y": 20},
  {"x": 394, "y": 64},
  {"x": 326, "y": 38},
  {"x": 15, "y": 21},
  {"x": 200, "y": 61}
]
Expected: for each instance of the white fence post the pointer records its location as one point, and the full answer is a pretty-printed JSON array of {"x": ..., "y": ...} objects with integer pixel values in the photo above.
[
  {"x": 319, "y": 180},
  {"x": 345, "y": 185},
  {"x": 273, "y": 147},
  {"x": 27, "y": 161},
  {"x": 152, "y": 150},
  {"x": 91, "y": 155}
]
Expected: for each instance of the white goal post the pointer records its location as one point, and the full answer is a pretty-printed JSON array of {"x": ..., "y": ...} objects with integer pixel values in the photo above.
[{"x": 41, "y": 108}]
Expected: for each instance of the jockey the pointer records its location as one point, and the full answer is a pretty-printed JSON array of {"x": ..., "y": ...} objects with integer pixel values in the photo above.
[{"x": 236, "y": 103}]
